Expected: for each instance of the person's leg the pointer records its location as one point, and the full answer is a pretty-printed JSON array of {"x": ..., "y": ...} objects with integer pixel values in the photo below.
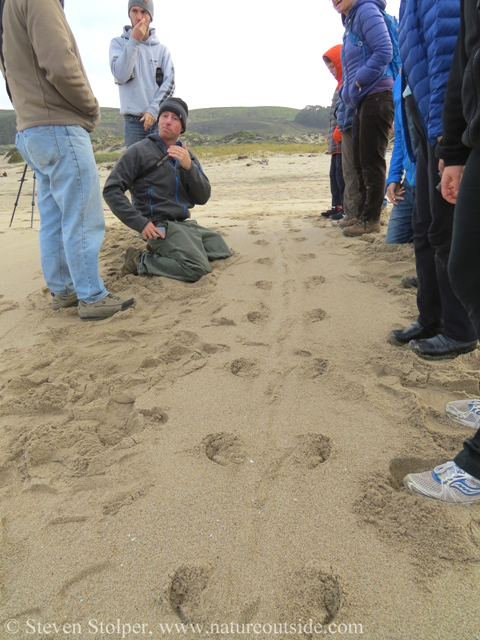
[
  {"x": 455, "y": 320},
  {"x": 339, "y": 177},
  {"x": 357, "y": 161},
  {"x": 464, "y": 262},
  {"x": 213, "y": 242},
  {"x": 134, "y": 131},
  {"x": 375, "y": 123},
  {"x": 70, "y": 205},
  {"x": 463, "y": 268},
  {"x": 399, "y": 230},
  {"x": 351, "y": 196},
  {"x": 180, "y": 255},
  {"x": 333, "y": 182},
  {"x": 428, "y": 296}
]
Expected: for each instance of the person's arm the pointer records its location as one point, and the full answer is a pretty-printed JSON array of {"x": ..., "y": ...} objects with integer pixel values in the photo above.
[
  {"x": 194, "y": 180},
  {"x": 167, "y": 88},
  {"x": 123, "y": 57},
  {"x": 441, "y": 45},
  {"x": 118, "y": 182},
  {"x": 54, "y": 47},
  {"x": 451, "y": 148},
  {"x": 372, "y": 25}
]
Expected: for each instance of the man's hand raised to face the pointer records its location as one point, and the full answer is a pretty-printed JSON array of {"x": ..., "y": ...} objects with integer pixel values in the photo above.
[{"x": 140, "y": 29}]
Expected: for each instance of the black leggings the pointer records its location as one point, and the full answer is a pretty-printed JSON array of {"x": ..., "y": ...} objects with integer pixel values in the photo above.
[{"x": 464, "y": 272}]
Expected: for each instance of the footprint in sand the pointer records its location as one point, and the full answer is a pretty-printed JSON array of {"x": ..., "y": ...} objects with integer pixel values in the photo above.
[
  {"x": 311, "y": 450},
  {"x": 258, "y": 317},
  {"x": 225, "y": 449},
  {"x": 262, "y": 243},
  {"x": 245, "y": 368},
  {"x": 300, "y": 239},
  {"x": 314, "y": 281},
  {"x": 266, "y": 261},
  {"x": 313, "y": 594},
  {"x": 316, "y": 315},
  {"x": 303, "y": 257},
  {"x": 266, "y": 285},
  {"x": 185, "y": 593}
]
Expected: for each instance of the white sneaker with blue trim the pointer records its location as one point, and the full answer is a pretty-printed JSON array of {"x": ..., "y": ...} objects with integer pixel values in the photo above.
[
  {"x": 447, "y": 483},
  {"x": 466, "y": 412}
]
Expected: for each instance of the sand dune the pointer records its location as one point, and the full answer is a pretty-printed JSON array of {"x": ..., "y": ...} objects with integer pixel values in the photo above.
[{"x": 230, "y": 451}]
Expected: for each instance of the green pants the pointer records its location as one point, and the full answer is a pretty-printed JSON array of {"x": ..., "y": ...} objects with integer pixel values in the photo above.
[{"x": 184, "y": 253}]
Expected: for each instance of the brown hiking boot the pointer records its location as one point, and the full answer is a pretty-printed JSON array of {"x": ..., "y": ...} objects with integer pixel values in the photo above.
[
  {"x": 347, "y": 223},
  {"x": 63, "y": 301},
  {"x": 130, "y": 262},
  {"x": 104, "y": 308},
  {"x": 362, "y": 227}
]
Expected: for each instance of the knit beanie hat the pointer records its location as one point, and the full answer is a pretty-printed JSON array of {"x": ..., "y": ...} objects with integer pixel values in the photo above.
[
  {"x": 145, "y": 4},
  {"x": 178, "y": 107}
]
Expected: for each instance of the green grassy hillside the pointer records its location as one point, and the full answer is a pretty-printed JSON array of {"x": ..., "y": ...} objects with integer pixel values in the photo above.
[{"x": 214, "y": 123}]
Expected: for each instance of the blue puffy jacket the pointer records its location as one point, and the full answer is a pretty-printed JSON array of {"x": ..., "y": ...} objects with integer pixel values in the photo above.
[
  {"x": 366, "y": 65},
  {"x": 427, "y": 37}
]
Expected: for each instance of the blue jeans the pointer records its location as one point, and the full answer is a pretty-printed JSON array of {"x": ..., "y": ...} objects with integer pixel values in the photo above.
[
  {"x": 134, "y": 131},
  {"x": 399, "y": 230},
  {"x": 72, "y": 225}
]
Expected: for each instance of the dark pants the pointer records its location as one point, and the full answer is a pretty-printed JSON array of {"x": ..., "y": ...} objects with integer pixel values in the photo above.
[
  {"x": 337, "y": 184},
  {"x": 464, "y": 270},
  {"x": 373, "y": 122},
  {"x": 432, "y": 222},
  {"x": 134, "y": 130}
]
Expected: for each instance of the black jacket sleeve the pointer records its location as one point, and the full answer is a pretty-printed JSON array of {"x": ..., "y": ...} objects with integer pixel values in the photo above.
[
  {"x": 451, "y": 149},
  {"x": 118, "y": 182}
]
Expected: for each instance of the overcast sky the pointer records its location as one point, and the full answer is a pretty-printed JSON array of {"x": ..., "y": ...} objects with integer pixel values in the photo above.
[{"x": 226, "y": 54}]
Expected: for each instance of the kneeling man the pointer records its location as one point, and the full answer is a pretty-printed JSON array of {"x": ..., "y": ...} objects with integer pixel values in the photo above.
[{"x": 165, "y": 181}]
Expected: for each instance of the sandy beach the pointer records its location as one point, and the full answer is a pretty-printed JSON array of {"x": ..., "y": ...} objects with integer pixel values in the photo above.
[{"x": 229, "y": 452}]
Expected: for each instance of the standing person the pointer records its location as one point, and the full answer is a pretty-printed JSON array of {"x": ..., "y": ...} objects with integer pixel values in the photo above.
[
  {"x": 427, "y": 37},
  {"x": 143, "y": 69},
  {"x": 333, "y": 60},
  {"x": 56, "y": 110},
  {"x": 401, "y": 177},
  {"x": 367, "y": 88},
  {"x": 458, "y": 481}
]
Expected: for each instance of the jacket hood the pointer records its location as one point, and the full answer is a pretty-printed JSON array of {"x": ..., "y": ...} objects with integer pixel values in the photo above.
[
  {"x": 335, "y": 55},
  {"x": 152, "y": 38}
]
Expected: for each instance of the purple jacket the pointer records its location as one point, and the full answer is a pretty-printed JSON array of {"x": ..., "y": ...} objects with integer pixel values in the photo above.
[{"x": 365, "y": 55}]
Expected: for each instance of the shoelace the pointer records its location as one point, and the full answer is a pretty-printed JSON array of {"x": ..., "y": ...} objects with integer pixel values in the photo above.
[{"x": 446, "y": 470}]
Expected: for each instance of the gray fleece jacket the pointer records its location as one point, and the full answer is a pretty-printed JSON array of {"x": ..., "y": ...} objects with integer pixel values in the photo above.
[
  {"x": 167, "y": 193},
  {"x": 136, "y": 67}
]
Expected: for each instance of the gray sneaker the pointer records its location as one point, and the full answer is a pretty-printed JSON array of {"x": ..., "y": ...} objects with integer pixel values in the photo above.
[
  {"x": 130, "y": 262},
  {"x": 104, "y": 308},
  {"x": 62, "y": 302}
]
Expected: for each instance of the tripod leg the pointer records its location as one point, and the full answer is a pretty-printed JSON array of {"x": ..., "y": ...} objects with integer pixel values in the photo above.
[
  {"x": 33, "y": 200},
  {"x": 22, "y": 180}
]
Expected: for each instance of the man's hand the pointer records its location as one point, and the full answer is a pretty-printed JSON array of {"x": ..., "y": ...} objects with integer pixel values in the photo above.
[
  {"x": 181, "y": 154},
  {"x": 148, "y": 121},
  {"x": 139, "y": 30},
  {"x": 150, "y": 232},
  {"x": 451, "y": 179},
  {"x": 394, "y": 192}
]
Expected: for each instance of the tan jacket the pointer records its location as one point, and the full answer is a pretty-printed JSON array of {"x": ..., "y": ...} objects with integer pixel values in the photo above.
[{"x": 45, "y": 74}]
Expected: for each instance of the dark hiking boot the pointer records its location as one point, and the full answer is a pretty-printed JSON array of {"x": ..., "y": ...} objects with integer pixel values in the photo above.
[{"x": 130, "y": 262}]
